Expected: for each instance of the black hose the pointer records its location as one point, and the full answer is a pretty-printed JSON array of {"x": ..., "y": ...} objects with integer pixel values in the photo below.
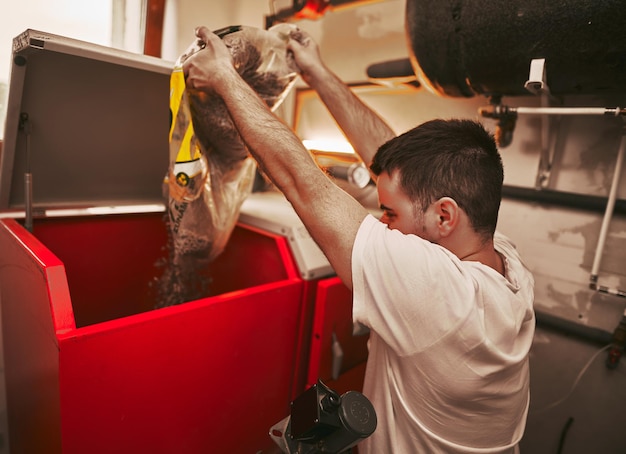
[{"x": 564, "y": 432}]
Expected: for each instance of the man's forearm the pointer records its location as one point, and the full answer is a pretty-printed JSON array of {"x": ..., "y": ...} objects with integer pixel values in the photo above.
[
  {"x": 364, "y": 129},
  {"x": 331, "y": 216},
  {"x": 273, "y": 144}
]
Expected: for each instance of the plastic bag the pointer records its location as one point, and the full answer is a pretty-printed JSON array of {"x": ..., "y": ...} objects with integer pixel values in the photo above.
[{"x": 211, "y": 172}]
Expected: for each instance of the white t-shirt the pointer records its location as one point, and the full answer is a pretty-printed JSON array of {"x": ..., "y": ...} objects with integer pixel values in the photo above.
[{"x": 448, "y": 353}]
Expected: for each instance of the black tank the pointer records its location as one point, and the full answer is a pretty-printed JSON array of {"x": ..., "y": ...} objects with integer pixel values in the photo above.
[{"x": 461, "y": 48}]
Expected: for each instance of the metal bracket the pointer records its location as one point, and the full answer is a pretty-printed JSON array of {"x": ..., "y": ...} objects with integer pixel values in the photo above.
[
  {"x": 337, "y": 355},
  {"x": 536, "y": 83}
]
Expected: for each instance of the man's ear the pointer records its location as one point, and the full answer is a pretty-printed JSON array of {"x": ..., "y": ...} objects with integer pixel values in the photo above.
[{"x": 448, "y": 215}]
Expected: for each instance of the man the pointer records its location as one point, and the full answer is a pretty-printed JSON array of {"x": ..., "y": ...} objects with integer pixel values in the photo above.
[{"x": 448, "y": 302}]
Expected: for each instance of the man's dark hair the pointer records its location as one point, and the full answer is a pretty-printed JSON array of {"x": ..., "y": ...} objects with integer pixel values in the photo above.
[{"x": 448, "y": 158}]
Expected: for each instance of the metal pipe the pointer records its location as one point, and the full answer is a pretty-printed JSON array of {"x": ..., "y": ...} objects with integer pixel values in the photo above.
[
  {"x": 608, "y": 213},
  {"x": 26, "y": 127},
  {"x": 616, "y": 111},
  {"x": 499, "y": 110},
  {"x": 28, "y": 201},
  {"x": 568, "y": 327},
  {"x": 563, "y": 199},
  {"x": 545, "y": 162}
]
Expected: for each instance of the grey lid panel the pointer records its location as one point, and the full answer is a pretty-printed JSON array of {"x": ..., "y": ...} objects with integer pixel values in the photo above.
[{"x": 98, "y": 121}]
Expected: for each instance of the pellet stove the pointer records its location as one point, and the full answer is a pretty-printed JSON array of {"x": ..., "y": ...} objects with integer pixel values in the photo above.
[{"x": 90, "y": 364}]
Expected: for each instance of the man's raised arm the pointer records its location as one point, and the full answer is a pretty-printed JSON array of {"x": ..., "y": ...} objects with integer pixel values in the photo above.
[
  {"x": 331, "y": 216},
  {"x": 363, "y": 127}
]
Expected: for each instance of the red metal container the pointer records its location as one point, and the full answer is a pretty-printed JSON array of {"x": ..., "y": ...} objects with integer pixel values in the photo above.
[{"x": 89, "y": 368}]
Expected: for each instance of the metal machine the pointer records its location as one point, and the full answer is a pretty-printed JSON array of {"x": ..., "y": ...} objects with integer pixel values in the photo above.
[{"x": 322, "y": 421}]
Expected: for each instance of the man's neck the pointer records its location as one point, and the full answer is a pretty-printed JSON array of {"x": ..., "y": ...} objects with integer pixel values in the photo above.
[{"x": 484, "y": 253}]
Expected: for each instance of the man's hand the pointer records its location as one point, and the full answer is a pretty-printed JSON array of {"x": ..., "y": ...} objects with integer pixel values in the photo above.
[
  {"x": 306, "y": 54},
  {"x": 208, "y": 68}
]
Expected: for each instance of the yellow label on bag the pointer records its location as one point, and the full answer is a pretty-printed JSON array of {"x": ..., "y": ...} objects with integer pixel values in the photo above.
[
  {"x": 188, "y": 166},
  {"x": 182, "y": 137}
]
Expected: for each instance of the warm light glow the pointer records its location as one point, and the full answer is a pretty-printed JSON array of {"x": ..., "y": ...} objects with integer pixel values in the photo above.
[{"x": 338, "y": 146}]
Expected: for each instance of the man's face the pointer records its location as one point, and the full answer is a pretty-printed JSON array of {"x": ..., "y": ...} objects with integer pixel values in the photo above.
[{"x": 399, "y": 210}]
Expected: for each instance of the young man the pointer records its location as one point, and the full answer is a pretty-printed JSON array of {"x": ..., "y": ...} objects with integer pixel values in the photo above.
[{"x": 448, "y": 302}]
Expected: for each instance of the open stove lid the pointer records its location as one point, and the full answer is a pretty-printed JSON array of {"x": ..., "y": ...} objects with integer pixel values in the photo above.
[{"x": 89, "y": 124}]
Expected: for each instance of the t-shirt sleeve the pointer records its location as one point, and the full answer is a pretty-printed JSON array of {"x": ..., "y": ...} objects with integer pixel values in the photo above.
[{"x": 410, "y": 291}]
